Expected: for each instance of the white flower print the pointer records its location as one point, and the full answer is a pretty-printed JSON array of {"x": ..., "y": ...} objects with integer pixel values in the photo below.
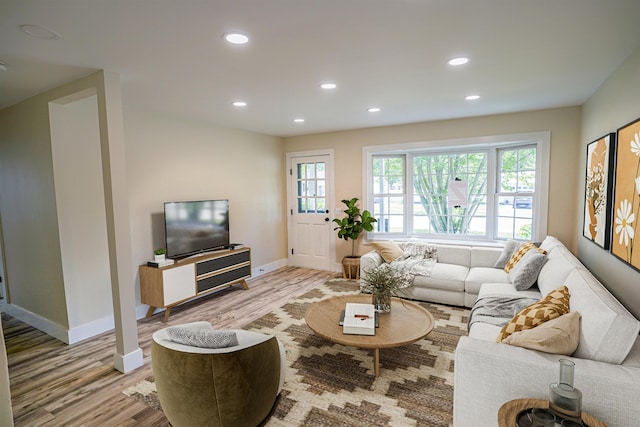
[
  {"x": 635, "y": 144},
  {"x": 624, "y": 219}
]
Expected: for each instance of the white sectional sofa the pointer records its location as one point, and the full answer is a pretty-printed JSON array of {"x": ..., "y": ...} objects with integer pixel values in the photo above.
[
  {"x": 456, "y": 277},
  {"x": 488, "y": 374}
]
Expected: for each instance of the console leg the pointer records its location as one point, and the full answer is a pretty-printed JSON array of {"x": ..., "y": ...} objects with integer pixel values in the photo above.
[
  {"x": 244, "y": 284},
  {"x": 150, "y": 311},
  {"x": 166, "y": 314}
]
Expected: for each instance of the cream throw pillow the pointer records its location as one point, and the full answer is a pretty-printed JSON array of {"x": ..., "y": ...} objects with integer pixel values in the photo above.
[
  {"x": 557, "y": 336},
  {"x": 388, "y": 249}
]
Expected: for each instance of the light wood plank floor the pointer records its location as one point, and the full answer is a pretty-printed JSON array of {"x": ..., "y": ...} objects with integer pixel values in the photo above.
[{"x": 54, "y": 384}]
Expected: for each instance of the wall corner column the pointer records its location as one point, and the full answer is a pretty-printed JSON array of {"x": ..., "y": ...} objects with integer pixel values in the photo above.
[{"x": 128, "y": 354}]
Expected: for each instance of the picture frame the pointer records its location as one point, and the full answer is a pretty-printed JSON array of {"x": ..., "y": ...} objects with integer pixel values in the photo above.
[
  {"x": 625, "y": 236},
  {"x": 598, "y": 191}
]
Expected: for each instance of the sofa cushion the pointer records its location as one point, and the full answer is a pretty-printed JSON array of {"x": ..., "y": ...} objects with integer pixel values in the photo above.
[
  {"x": 388, "y": 249},
  {"x": 519, "y": 253},
  {"x": 454, "y": 254},
  {"x": 557, "y": 336},
  {"x": 479, "y": 275},
  {"x": 608, "y": 330},
  {"x": 484, "y": 256},
  {"x": 444, "y": 276},
  {"x": 560, "y": 262},
  {"x": 525, "y": 273},
  {"x": 510, "y": 247},
  {"x": 553, "y": 305}
]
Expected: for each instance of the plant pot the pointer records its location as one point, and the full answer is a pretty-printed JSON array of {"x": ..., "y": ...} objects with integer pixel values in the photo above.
[
  {"x": 351, "y": 267},
  {"x": 159, "y": 258}
]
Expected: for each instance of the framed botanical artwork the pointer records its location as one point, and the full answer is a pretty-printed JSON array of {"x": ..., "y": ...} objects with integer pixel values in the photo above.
[
  {"x": 626, "y": 199},
  {"x": 598, "y": 190}
]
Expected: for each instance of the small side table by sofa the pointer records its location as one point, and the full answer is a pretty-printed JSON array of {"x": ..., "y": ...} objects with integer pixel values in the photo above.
[{"x": 510, "y": 410}]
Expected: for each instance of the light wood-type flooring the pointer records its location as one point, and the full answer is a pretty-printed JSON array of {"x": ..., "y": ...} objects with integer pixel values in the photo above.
[{"x": 54, "y": 384}]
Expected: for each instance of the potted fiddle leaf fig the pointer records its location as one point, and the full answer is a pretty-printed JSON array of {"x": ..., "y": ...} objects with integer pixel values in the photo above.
[{"x": 349, "y": 228}]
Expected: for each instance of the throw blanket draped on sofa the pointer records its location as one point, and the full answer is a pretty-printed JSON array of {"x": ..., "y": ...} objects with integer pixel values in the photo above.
[{"x": 498, "y": 310}]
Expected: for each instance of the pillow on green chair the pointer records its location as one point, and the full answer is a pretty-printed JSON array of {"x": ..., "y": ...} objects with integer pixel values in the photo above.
[{"x": 199, "y": 335}]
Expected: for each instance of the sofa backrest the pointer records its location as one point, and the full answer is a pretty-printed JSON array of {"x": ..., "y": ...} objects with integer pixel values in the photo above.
[
  {"x": 454, "y": 254},
  {"x": 484, "y": 256},
  {"x": 607, "y": 329}
]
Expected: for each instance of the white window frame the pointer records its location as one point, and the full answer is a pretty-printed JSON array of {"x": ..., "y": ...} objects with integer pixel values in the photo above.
[{"x": 542, "y": 141}]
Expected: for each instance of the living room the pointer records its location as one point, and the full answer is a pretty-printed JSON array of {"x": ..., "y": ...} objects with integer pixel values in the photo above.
[{"x": 170, "y": 157}]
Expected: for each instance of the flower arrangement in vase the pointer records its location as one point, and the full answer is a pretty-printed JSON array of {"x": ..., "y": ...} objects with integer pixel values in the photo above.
[{"x": 384, "y": 282}]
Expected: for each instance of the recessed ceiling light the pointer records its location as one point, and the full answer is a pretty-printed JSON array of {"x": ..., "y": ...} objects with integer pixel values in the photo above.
[
  {"x": 298, "y": 120},
  {"x": 460, "y": 60},
  {"x": 240, "y": 104},
  {"x": 39, "y": 32},
  {"x": 373, "y": 109},
  {"x": 236, "y": 38},
  {"x": 328, "y": 86},
  {"x": 472, "y": 97}
]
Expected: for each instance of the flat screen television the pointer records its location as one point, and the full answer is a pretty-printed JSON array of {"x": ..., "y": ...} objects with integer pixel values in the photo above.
[{"x": 196, "y": 226}]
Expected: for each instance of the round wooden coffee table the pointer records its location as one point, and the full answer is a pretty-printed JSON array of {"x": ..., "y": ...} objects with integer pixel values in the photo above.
[{"x": 406, "y": 323}]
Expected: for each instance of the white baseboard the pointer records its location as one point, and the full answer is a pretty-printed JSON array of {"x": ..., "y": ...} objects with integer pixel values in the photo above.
[
  {"x": 107, "y": 323},
  {"x": 128, "y": 362},
  {"x": 267, "y": 268},
  {"x": 56, "y": 330}
]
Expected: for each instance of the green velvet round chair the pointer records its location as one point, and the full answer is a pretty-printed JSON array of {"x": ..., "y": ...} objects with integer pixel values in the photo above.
[{"x": 232, "y": 386}]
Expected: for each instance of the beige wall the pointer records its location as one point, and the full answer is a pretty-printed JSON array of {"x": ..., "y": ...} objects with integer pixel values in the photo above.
[
  {"x": 563, "y": 123},
  {"x": 169, "y": 159},
  {"x": 30, "y": 224},
  {"x": 82, "y": 222},
  {"x": 615, "y": 104}
]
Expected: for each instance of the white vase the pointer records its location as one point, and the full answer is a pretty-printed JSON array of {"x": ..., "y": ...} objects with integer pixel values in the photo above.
[{"x": 159, "y": 258}]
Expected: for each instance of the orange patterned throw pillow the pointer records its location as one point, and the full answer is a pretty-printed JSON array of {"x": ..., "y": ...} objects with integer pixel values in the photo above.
[
  {"x": 519, "y": 253},
  {"x": 555, "y": 304}
]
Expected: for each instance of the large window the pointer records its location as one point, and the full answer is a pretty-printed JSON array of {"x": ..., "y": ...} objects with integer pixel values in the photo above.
[{"x": 474, "y": 189}]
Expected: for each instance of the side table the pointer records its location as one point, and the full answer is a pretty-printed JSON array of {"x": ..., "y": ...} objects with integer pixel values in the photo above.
[{"x": 510, "y": 410}]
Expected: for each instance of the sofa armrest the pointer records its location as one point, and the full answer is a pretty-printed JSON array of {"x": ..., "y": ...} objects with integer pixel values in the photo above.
[
  {"x": 488, "y": 374},
  {"x": 370, "y": 260}
]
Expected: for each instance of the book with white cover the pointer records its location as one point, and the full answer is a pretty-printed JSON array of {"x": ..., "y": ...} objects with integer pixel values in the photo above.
[{"x": 359, "y": 319}]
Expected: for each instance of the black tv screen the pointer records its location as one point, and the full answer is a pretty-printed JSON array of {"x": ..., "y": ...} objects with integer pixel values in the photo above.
[{"x": 196, "y": 226}]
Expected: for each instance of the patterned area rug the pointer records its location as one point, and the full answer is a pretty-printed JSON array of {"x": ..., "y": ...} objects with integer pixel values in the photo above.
[{"x": 334, "y": 385}]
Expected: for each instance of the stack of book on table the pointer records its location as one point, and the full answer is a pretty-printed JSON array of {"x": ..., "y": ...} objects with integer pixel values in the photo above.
[
  {"x": 161, "y": 263},
  {"x": 359, "y": 319}
]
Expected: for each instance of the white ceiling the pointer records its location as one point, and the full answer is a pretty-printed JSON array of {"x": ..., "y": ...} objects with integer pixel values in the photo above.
[{"x": 171, "y": 56}]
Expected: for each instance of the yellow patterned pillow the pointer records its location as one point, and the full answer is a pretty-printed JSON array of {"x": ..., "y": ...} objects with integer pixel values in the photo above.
[
  {"x": 553, "y": 305},
  {"x": 519, "y": 253}
]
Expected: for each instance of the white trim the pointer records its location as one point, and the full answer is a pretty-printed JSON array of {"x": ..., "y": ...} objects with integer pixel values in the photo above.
[
  {"x": 126, "y": 363},
  {"x": 330, "y": 190},
  {"x": 542, "y": 140}
]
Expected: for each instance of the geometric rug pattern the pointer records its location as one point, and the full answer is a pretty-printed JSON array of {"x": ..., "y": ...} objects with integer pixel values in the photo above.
[{"x": 330, "y": 384}]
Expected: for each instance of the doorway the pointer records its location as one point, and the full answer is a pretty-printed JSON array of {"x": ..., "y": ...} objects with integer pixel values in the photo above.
[{"x": 310, "y": 188}]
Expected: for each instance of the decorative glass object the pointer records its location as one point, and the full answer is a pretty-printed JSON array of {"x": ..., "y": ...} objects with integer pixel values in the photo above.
[
  {"x": 540, "y": 417},
  {"x": 564, "y": 398},
  {"x": 381, "y": 301}
]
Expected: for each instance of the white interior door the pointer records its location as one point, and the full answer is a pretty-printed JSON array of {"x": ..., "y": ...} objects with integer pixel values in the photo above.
[{"x": 310, "y": 205}]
